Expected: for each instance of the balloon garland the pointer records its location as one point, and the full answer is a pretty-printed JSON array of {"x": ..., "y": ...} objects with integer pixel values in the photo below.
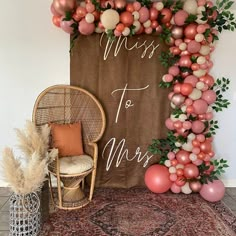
[{"x": 189, "y": 28}]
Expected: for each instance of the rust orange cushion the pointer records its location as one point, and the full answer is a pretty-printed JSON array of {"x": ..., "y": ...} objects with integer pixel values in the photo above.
[{"x": 67, "y": 138}]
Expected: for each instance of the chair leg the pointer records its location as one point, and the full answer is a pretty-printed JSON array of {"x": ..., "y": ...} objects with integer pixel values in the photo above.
[{"x": 92, "y": 184}]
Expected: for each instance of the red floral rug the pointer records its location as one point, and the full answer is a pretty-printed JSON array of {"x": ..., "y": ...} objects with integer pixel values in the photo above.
[{"x": 138, "y": 212}]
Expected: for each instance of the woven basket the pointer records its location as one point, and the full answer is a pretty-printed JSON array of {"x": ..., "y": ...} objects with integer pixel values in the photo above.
[{"x": 25, "y": 215}]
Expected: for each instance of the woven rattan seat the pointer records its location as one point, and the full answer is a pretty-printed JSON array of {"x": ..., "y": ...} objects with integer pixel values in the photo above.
[{"x": 64, "y": 104}]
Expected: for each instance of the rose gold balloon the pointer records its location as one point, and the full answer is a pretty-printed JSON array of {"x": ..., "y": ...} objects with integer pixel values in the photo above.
[
  {"x": 159, "y": 29},
  {"x": 178, "y": 99},
  {"x": 180, "y": 181},
  {"x": 177, "y": 88},
  {"x": 130, "y": 7},
  {"x": 175, "y": 50},
  {"x": 195, "y": 186},
  {"x": 120, "y": 4},
  {"x": 81, "y": 11},
  {"x": 153, "y": 13},
  {"x": 190, "y": 31},
  {"x": 185, "y": 61},
  {"x": 191, "y": 171},
  {"x": 170, "y": 41},
  {"x": 177, "y": 32},
  {"x": 126, "y": 18},
  {"x": 62, "y": 6},
  {"x": 206, "y": 146}
]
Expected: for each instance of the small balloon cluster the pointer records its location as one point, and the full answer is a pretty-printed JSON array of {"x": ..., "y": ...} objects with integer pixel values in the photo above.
[{"x": 189, "y": 28}]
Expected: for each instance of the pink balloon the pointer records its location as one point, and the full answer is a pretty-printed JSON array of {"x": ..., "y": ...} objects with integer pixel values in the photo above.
[
  {"x": 191, "y": 79},
  {"x": 209, "y": 115},
  {"x": 201, "y": 137},
  {"x": 209, "y": 96},
  {"x": 143, "y": 14},
  {"x": 171, "y": 155},
  {"x": 90, "y": 7},
  {"x": 182, "y": 157},
  {"x": 190, "y": 31},
  {"x": 198, "y": 126},
  {"x": 137, "y": 6},
  {"x": 193, "y": 46},
  {"x": 187, "y": 125},
  {"x": 197, "y": 162},
  {"x": 169, "y": 124},
  {"x": 153, "y": 13},
  {"x": 174, "y": 70},
  {"x": 157, "y": 178},
  {"x": 175, "y": 188},
  {"x": 191, "y": 171},
  {"x": 200, "y": 106},
  {"x": 213, "y": 191},
  {"x": 173, "y": 177},
  {"x": 66, "y": 25},
  {"x": 180, "y": 17},
  {"x": 86, "y": 28}
]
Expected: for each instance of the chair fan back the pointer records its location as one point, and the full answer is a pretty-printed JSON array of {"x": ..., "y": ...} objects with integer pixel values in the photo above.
[{"x": 64, "y": 104}]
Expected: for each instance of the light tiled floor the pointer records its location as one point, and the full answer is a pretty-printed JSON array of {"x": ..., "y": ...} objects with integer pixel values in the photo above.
[{"x": 229, "y": 200}]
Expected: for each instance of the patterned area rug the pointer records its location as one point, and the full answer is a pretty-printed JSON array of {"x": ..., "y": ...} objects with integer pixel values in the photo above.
[{"x": 138, "y": 212}]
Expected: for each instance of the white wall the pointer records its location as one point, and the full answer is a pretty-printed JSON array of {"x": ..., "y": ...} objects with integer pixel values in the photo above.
[{"x": 34, "y": 55}]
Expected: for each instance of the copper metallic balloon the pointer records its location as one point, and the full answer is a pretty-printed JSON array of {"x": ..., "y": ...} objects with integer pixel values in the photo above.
[
  {"x": 177, "y": 32},
  {"x": 191, "y": 171},
  {"x": 62, "y": 6},
  {"x": 119, "y": 4},
  {"x": 195, "y": 186},
  {"x": 178, "y": 99},
  {"x": 190, "y": 31}
]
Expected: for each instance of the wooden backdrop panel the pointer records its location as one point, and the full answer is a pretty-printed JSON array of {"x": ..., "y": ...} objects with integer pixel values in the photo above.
[{"x": 134, "y": 116}]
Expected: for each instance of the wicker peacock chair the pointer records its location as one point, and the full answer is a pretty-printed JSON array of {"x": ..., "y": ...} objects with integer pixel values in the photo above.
[{"x": 64, "y": 104}]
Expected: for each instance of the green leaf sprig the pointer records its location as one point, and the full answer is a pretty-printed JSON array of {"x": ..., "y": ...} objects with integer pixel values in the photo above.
[
  {"x": 212, "y": 126},
  {"x": 221, "y": 86},
  {"x": 219, "y": 169},
  {"x": 167, "y": 59}
]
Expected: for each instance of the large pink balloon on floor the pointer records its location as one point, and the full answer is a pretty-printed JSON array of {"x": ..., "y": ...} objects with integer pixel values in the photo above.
[
  {"x": 157, "y": 179},
  {"x": 213, "y": 191}
]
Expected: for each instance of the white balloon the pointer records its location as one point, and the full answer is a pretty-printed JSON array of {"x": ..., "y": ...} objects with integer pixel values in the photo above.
[
  {"x": 83, "y": 4},
  {"x": 172, "y": 105},
  {"x": 191, "y": 136},
  {"x": 173, "y": 118},
  {"x": 136, "y": 15},
  {"x": 205, "y": 50},
  {"x": 199, "y": 19},
  {"x": 172, "y": 170},
  {"x": 188, "y": 146},
  {"x": 183, "y": 108},
  {"x": 178, "y": 144},
  {"x": 200, "y": 85},
  {"x": 209, "y": 109},
  {"x": 89, "y": 18},
  {"x": 126, "y": 31},
  {"x": 137, "y": 25},
  {"x": 196, "y": 94},
  {"x": 186, "y": 189},
  {"x": 201, "y": 9},
  {"x": 201, "y": 60},
  {"x": 168, "y": 163},
  {"x": 98, "y": 30},
  {"x": 172, "y": 21},
  {"x": 183, "y": 46},
  {"x": 110, "y": 18},
  {"x": 147, "y": 24},
  {"x": 199, "y": 73},
  {"x": 182, "y": 117},
  {"x": 190, "y": 6},
  {"x": 179, "y": 166},
  {"x": 159, "y": 6},
  {"x": 199, "y": 38},
  {"x": 193, "y": 157}
]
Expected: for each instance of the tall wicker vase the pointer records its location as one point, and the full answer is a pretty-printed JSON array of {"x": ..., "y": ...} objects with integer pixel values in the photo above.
[{"x": 25, "y": 215}]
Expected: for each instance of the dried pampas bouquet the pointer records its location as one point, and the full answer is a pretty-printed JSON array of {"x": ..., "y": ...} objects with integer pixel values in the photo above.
[{"x": 27, "y": 174}]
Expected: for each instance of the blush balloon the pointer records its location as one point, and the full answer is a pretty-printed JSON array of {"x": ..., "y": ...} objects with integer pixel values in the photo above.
[
  {"x": 198, "y": 126},
  {"x": 66, "y": 26},
  {"x": 174, "y": 70},
  {"x": 209, "y": 96},
  {"x": 200, "y": 106},
  {"x": 157, "y": 178},
  {"x": 62, "y": 6},
  {"x": 180, "y": 17},
  {"x": 86, "y": 28},
  {"x": 191, "y": 79},
  {"x": 143, "y": 14},
  {"x": 175, "y": 188},
  {"x": 185, "y": 61},
  {"x": 178, "y": 99},
  {"x": 193, "y": 46},
  {"x": 213, "y": 191}
]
